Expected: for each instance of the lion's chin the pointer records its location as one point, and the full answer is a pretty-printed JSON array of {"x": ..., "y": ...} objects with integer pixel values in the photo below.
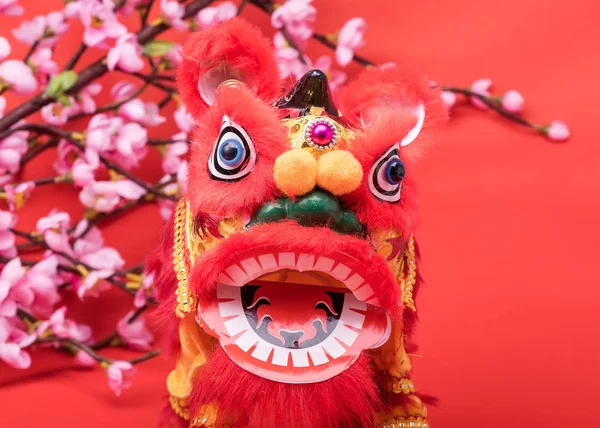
[{"x": 349, "y": 399}]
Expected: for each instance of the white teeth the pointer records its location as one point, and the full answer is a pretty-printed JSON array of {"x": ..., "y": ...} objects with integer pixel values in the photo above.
[
  {"x": 262, "y": 350},
  {"x": 354, "y": 319},
  {"x": 246, "y": 340},
  {"x": 305, "y": 262},
  {"x": 341, "y": 272},
  {"x": 287, "y": 260},
  {"x": 236, "y": 326},
  {"x": 317, "y": 355},
  {"x": 299, "y": 357},
  {"x": 364, "y": 292},
  {"x": 344, "y": 334},
  {"x": 237, "y": 274},
  {"x": 324, "y": 264},
  {"x": 224, "y": 279},
  {"x": 268, "y": 262},
  {"x": 333, "y": 347},
  {"x": 373, "y": 301},
  {"x": 227, "y": 309},
  {"x": 280, "y": 356},
  {"x": 251, "y": 267},
  {"x": 354, "y": 282}
]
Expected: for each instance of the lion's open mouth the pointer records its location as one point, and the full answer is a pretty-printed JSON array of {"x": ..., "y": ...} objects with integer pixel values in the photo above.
[
  {"x": 298, "y": 304},
  {"x": 294, "y": 317}
]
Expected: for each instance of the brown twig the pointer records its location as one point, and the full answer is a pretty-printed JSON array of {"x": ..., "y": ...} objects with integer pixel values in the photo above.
[{"x": 94, "y": 71}]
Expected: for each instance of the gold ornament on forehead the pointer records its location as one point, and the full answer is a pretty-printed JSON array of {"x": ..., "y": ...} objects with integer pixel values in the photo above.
[{"x": 317, "y": 133}]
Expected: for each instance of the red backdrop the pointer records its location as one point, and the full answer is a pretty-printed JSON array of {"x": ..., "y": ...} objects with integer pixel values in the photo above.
[{"x": 509, "y": 318}]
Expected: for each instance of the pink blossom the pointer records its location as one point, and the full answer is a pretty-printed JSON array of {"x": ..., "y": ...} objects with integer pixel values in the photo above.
[
  {"x": 131, "y": 5},
  {"x": 127, "y": 55},
  {"x": 513, "y": 101},
  {"x": 18, "y": 76},
  {"x": 93, "y": 284},
  {"x": 87, "y": 102},
  {"x": 42, "y": 28},
  {"x": 5, "y": 48},
  {"x": 54, "y": 229},
  {"x": 16, "y": 194},
  {"x": 209, "y": 17},
  {"x": 173, "y": 57},
  {"x": 350, "y": 38},
  {"x": 2, "y": 106},
  {"x": 185, "y": 121},
  {"x": 10, "y": 276},
  {"x": 558, "y": 131},
  {"x": 31, "y": 31},
  {"x": 449, "y": 99},
  {"x": 58, "y": 114},
  {"x": 100, "y": 22},
  {"x": 298, "y": 17},
  {"x": 481, "y": 87},
  {"x": 130, "y": 144},
  {"x": 172, "y": 11},
  {"x": 7, "y": 237},
  {"x": 140, "y": 295},
  {"x": 67, "y": 154},
  {"x": 12, "y": 342},
  {"x": 63, "y": 327},
  {"x": 84, "y": 359},
  {"x": 145, "y": 113},
  {"x": 288, "y": 58},
  {"x": 182, "y": 175},
  {"x": 123, "y": 143},
  {"x": 104, "y": 196},
  {"x": 135, "y": 333},
  {"x": 119, "y": 376},
  {"x": 84, "y": 168},
  {"x": 336, "y": 77},
  {"x": 172, "y": 158},
  {"x": 11, "y": 8},
  {"x": 42, "y": 64},
  {"x": 12, "y": 148},
  {"x": 122, "y": 90},
  {"x": 38, "y": 291}
]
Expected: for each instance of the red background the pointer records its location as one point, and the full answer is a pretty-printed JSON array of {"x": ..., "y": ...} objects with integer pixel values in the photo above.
[{"x": 509, "y": 318}]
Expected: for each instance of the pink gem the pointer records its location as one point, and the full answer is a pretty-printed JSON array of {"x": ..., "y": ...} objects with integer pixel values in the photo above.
[{"x": 321, "y": 134}]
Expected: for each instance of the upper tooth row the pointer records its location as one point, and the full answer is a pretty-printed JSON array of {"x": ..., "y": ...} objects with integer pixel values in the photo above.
[{"x": 251, "y": 268}]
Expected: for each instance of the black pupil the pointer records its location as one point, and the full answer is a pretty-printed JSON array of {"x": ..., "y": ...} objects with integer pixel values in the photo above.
[
  {"x": 397, "y": 171},
  {"x": 229, "y": 151}
]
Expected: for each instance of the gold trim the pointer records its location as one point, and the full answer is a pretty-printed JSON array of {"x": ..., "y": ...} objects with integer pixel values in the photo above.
[
  {"x": 403, "y": 385},
  {"x": 185, "y": 301},
  {"x": 179, "y": 406},
  {"x": 407, "y": 284},
  {"x": 411, "y": 422}
]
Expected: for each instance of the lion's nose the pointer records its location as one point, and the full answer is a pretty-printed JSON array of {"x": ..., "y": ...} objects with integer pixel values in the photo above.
[
  {"x": 338, "y": 172},
  {"x": 295, "y": 172}
]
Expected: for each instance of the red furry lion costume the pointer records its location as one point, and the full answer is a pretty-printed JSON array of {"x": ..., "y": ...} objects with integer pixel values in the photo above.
[{"x": 288, "y": 273}]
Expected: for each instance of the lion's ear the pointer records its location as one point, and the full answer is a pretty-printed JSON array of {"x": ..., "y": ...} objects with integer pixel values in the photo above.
[
  {"x": 396, "y": 90},
  {"x": 235, "y": 50}
]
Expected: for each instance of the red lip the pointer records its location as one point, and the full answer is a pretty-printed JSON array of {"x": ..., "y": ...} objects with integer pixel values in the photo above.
[{"x": 347, "y": 258}]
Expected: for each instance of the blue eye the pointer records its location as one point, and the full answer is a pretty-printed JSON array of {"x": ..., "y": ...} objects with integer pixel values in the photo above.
[
  {"x": 233, "y": 155},
  {"x": 231, "y": 152},
  {"x": 394, "y": 171}
]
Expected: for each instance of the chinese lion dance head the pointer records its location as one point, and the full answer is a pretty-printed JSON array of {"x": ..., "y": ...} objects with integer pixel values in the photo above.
[{"x": 288, "y": 273}]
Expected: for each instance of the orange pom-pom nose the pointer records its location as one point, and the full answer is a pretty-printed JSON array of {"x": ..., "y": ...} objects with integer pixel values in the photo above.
[
  {"x": 295, "y": 172},
  {"x": 339, "y": 172}
]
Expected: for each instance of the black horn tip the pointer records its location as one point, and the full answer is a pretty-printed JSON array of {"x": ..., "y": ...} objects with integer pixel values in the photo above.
[{"x": 311, "y": 90}]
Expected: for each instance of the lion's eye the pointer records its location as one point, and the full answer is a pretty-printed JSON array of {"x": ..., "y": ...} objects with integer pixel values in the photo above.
[
  {"x": 234, "y": 155},
  {"x": 386, "y": 176}
]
